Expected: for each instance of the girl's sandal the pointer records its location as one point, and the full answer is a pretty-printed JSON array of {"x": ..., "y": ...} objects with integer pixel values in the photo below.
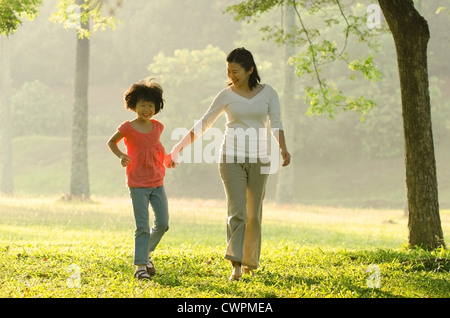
[
  {"x": 141, "y": 274},
  {"x": 151, "y": 268}
]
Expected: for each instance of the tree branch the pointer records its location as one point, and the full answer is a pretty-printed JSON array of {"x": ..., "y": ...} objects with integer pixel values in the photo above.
[{"x": 312, "y": 50}]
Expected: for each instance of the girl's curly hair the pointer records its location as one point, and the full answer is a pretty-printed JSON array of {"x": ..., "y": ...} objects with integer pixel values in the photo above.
[{"x": 144, "y": 90}]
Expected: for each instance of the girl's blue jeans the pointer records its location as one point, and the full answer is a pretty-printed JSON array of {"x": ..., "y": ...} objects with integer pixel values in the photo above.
[{"x": 146, "y": 239}]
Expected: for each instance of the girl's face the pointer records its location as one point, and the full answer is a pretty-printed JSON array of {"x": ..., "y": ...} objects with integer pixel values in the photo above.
[
  {"x": 145, "y": 110},
  {"x": 238, "y": 75}
]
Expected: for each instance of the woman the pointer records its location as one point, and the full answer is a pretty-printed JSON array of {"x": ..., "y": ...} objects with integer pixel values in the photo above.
[{"x": 244, "y": 162}]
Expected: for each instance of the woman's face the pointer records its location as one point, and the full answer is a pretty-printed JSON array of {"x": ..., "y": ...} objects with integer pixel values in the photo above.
[{"x": 238, "y": 75}]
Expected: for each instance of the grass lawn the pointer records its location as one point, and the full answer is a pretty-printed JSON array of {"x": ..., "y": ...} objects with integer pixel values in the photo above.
[{"x": 59, "y": 249}]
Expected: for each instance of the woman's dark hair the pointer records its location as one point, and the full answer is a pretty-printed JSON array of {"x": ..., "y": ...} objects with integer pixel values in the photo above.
[
  {"x": 145, "y": 90},
  {"x": 245, "y": 58}
]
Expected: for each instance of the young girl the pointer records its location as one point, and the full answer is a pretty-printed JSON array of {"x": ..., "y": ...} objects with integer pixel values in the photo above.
[{"x": 144, "y": 170}]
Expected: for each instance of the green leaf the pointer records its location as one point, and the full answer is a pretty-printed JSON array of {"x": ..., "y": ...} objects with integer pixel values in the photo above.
[
  {"x": 442, "y": 10},
  {"x": 366, "y": 68}
]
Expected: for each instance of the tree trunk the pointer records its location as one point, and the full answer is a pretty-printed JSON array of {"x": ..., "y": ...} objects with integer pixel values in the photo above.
[
  {"x": 6, "y": 184},
  {"x": 79, "y": 183},
  {"x": 411, "y": 34},
  {"x": 285, "y": 182}
]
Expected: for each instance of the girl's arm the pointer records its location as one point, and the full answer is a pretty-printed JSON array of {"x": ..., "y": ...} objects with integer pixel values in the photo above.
[{"x": 112, "y": 144}]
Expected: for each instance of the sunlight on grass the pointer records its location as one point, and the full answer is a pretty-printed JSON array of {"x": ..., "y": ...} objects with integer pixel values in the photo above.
[{"x": 48, "y": 245}]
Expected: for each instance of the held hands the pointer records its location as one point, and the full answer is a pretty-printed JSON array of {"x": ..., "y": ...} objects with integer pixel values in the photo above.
[{"x": 171, "y": 160}]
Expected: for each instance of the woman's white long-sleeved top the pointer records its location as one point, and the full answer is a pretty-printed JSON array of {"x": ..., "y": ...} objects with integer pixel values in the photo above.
[{"x": 247, "y": 121}]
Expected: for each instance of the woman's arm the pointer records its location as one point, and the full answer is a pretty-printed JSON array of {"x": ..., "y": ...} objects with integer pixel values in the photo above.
[
  {"x": 187, "y": 140},
  {"x": 199, "y": 128},
  {"x": 279, "y": 136},
  {"x": 112, "y": 144},
  {"x": 277, "y": 127}
]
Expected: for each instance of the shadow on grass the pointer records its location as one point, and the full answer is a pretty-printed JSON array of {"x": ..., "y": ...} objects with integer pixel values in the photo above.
[{"x": 318, "y": 274}]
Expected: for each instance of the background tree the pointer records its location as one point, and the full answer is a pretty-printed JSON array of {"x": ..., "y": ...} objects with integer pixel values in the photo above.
[
  {"x": 12, "y": 13},
  {"x": 411, "y": 34},
  {"x": 77, "y": 15},
  {"x": 52, "y": 117}
]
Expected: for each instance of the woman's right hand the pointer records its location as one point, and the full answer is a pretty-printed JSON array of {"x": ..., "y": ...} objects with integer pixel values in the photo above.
[{"x": 286, "y": 157}]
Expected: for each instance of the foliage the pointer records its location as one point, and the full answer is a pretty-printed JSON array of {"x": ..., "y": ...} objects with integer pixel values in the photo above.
[
  {"x": 317, "y": 51},
  {"x": 58, "y": 249},
  {"x": 12, "y": 12},
  {"x": 200, "y": 75},
  {"x": 38, "y": 111},
  {"x": 73, "y": 14}
]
